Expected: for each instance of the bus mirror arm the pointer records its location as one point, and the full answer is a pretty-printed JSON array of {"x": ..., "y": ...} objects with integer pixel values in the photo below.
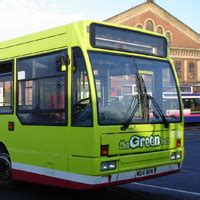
[
  {"x": 62, "y": 63},
  {"x": 74, "y": 68}
]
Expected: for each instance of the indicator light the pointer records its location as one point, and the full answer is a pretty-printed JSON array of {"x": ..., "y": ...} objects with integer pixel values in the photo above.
[
  {"x": 178, "y": 143},
  {"x": 11, "y": 126},
  {"x": 104, "y": 150}
]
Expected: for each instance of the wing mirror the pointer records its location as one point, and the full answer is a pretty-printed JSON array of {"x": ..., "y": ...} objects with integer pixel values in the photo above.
[{"x": 62, "y": 63}]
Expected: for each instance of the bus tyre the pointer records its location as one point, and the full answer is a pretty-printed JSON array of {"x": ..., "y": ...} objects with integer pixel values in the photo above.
[{"x": 5, "y": 168}]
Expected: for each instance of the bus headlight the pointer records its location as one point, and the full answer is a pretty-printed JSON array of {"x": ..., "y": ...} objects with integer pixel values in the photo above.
[
  {"x": 110, "y": 165},
  {"x": 178, "y": 155},
  {"x": 175, "y": 155}
]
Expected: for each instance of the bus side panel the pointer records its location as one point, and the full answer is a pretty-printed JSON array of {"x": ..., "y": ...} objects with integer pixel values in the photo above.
[{"x": 38, "y": 146}]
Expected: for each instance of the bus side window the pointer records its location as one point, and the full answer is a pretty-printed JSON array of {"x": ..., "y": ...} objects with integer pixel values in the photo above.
[
  {"x": 6, "y": 87},
  {"x": 81, "y": 102},
  {"x": 41, "y": 90},
  {"x": 197, "y": 105}
]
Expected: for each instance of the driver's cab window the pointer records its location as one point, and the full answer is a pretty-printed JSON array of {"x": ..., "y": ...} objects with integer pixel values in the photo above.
[{"x": 81, "y": 101}]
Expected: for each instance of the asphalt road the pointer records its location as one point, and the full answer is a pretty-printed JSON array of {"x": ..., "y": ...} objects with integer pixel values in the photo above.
[{"x": 184, "y": 185}]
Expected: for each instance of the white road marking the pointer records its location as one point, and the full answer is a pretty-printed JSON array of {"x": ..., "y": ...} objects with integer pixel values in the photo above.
[{"x": 165, "y": 188}]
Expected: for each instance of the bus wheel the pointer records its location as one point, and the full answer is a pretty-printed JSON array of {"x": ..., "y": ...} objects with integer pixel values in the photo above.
[{"x": 5, "y": 168}]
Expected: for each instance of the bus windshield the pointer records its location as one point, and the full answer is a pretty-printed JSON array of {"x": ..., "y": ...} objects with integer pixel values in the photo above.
[{"x": 118, "y": 91}]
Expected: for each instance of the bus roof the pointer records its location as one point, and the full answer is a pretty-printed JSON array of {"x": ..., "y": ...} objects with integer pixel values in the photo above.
[
  {"x": 26, "y": 44},
  {"x": 42, "y": 41}
]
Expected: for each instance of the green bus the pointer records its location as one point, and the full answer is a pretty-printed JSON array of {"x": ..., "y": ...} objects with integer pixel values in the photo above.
[{"x": 66, "y": 118}]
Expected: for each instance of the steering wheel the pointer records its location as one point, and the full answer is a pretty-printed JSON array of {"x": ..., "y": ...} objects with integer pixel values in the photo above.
[{"x": 79, "y": 105}]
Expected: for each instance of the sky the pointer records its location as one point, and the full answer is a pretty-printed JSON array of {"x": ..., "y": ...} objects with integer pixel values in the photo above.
[{"x": 21, "y": 17}]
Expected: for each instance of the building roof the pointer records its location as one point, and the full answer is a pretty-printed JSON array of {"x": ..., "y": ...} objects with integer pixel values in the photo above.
[{"x": 150, "y": 5}]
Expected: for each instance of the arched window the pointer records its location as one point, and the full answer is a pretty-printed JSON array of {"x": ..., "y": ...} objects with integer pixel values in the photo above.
[
  {"x": 139, "y": 26},
  {"x": 149, "y": 25},
  {"x": 169, "y": 37},
  {"x": 159, "y": 30}
]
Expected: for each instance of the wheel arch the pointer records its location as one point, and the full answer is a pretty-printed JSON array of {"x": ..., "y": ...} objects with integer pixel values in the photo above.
[
  {"x": 5, "y": 162},
  {"x": 3, "y": 149}
]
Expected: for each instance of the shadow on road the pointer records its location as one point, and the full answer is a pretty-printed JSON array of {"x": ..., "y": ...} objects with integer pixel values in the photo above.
[{"x": 28, "y": 191}]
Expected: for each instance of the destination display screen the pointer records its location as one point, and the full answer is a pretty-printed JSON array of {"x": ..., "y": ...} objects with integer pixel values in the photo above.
[{"x": 113, "y": 38}]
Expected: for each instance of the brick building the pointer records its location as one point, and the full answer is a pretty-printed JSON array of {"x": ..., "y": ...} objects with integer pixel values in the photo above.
[{"x": 184, "y": 42}]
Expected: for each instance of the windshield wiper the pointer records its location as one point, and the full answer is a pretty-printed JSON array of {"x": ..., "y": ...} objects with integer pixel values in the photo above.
[
  {"x": 166, "y": 123},
  {"x": 142, "y": 99},
  {"x": 127, "y": 123}
]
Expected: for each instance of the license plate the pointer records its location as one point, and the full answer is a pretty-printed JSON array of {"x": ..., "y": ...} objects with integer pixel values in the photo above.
[{"x": 145, "y": 172}]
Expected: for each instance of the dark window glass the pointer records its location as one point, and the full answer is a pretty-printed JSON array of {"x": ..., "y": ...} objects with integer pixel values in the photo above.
[
  {"x": 119, "y": 92},
  {"x": 160, "y": 30},
  {"x": 178, "y": 69},
  {"x": 81, "y": 102},
  {"x": 139, "y": 26},
  {"x": 196, "y": 107},
  {"x": 41, "y": 90},
  {"x": 127, "y": 40},
  {"x": 193, "y": 104},
  {"x": 149, "y": 25},
  {"x": 6, "y": 88},
  {"x": 186, "y": 89},
  {"x": 191, "y": 70}
]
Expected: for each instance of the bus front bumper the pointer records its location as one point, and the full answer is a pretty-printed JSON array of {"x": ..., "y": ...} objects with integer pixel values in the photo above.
[{"x": 80, "y": 182}]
